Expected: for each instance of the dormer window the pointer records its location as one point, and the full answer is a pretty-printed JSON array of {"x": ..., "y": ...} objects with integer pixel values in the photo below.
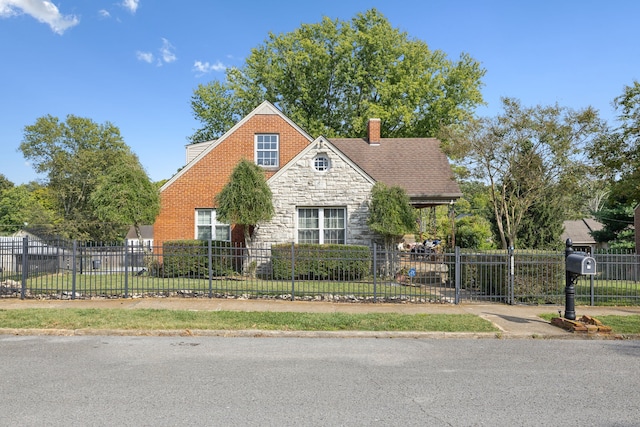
[
  {"x": 267, "y": 150},
  {"x": 321, "y": 163}
]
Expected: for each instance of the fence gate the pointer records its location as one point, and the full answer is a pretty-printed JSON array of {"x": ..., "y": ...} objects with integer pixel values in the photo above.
[
  {"x": 484, "y": 276},
  {"x": 511, "y": 276}
]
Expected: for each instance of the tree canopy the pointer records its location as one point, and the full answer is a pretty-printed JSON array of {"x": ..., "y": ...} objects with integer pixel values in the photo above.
[
  {"x": 124, "y": 197},
  {"x": 23, "y": 207},
  {"x": 390, "y": 213},
  {"x": 331, "y": 77},
  {"x": 246, "y": 199},
  {"x": 74, "y": 155},
  {"x": 5, "y": 184},
  {"x": 618, "y": 150},
  {"x": 617, "y": 155},
  {"x": 528, "y": 156}
]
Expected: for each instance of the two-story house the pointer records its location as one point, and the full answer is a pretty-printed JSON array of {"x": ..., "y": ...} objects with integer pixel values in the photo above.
[{"x": 321, "y": 187}]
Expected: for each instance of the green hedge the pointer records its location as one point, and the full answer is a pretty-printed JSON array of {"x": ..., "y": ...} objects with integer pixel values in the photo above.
[
  {"x": 189, "y": 258},
  {"x": 321, "y": 262}
]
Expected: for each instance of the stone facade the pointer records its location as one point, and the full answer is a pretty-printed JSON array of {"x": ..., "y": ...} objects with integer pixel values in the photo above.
[{"x": 299, "y": 184}]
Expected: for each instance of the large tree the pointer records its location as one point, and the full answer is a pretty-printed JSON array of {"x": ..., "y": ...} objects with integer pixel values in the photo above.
[
  {"x": 617, "y": 152},
  {"x": 73, "y": 155},
  {"x": 617, "y": 156},
  {"x": 331, "y": 77},
  {"x": 525, "y": 154},
  {"x": 125, "y": 197},
  {"x": 617, "y": 217}
]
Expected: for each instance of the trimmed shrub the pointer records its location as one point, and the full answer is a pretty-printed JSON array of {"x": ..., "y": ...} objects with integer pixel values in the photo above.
[
  {"x": 189, "y": 258},
  {"x": 321, "y": 262}
]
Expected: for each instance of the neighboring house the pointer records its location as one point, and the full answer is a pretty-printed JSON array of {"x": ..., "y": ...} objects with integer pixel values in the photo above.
[
  {"x": 42, "y": 258},
  {"x": 321, "y": 188},
  {"x": 146, "y": 234},
  {"x": 579, "y": 231}
]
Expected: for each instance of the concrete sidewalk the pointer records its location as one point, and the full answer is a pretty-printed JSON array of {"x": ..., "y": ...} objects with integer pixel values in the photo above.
[{"x": 514, "y": 321}]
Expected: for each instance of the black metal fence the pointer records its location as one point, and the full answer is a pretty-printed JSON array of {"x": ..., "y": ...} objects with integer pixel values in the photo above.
[{"x": 72, "y": 270}]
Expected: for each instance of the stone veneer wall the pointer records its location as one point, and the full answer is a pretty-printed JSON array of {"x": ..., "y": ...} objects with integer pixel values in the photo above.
[{"x": 302, "y": 186}]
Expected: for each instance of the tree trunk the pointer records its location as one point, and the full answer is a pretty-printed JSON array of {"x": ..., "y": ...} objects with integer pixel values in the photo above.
[{"x": 248, "y": 242}]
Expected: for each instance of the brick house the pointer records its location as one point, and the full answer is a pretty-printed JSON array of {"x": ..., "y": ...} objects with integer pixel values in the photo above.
[{"x": 321, "y": 187}]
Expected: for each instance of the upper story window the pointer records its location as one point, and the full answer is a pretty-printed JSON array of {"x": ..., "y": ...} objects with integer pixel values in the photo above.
[
  {"x": 321, "y": 163},
  {"x": 267, "y": 150},
  {"x": 208, "y": 228}
]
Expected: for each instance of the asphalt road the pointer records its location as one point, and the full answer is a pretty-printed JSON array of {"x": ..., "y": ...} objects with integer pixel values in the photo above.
[{"x": 179, "y": 381}]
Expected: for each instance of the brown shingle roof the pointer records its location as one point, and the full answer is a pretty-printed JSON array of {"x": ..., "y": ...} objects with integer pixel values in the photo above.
[
  {"x": 579, "y": 231},
  {"x": 416, "y": 164}
]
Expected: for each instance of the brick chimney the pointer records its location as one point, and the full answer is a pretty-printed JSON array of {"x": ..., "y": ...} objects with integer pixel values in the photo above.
[{"x": 373, "y": 131}]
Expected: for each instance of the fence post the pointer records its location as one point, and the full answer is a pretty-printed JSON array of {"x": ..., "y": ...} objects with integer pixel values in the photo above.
[
  {"x": 458, "y": 270},
  {"x": 592, "y": 289},
  {"x": 126, "y": 268},
  {"x": 375, "y": 271},
  {"x": 25, "y": 266},
  {"x": 511, "y": 278},
  {"x": 74, "y": 269},
  {"x": 293, "y": 271},
  {"x": 210, "y": 258},
  {"x": 73, "y": 282}
]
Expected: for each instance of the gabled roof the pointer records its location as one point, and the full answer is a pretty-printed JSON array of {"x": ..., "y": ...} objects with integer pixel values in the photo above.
[
  {"x": 146, "y": 232},
  {"x": 417, "y": 165},
  {"x": 265, "y": 108},
  {"x": 579, "y": 231},
  {"x": 319, "y": 143}
]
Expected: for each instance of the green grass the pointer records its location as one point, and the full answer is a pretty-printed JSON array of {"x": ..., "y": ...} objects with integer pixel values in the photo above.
[
  {"x": 622, "y": 324},
  {"x": 114, "y": 284},
  {"x": 148, "y": 319},
  {"x": 619, "y": 324}
]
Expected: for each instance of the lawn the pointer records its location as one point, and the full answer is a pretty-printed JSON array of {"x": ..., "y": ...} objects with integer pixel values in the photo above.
[{"x": 151, "y": 319}]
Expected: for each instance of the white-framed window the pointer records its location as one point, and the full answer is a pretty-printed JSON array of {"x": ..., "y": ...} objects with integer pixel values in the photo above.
[
  {"x": 267, "y": 150},
  {"x": 322, "y": 225},
  {"x": 207, "y": 228},
  {"x": 321, "y": 163}
]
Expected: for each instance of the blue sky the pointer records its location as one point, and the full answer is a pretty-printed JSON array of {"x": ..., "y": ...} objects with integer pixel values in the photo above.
[{"x": 135, "y": 63}]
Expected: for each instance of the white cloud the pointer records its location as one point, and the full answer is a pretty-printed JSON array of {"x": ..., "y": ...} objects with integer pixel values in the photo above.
[
  {"x": 145, "y": 56},
  {"x": 167, "y": 51},
  {"x": 206, "y": 67},
  {"x": 166, "y": 55},
  {"x": 42, "y": 10},
  {"x": 132, "y": 5},
  {"x": 104, "y": 13}
]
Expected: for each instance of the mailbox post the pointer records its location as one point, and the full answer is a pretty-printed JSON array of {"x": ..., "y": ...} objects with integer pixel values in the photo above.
[{"x": 576, "y": 264}]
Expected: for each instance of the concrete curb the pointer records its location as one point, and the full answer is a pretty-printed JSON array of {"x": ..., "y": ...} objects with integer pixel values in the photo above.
[{"x": 256, "y": 333}]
